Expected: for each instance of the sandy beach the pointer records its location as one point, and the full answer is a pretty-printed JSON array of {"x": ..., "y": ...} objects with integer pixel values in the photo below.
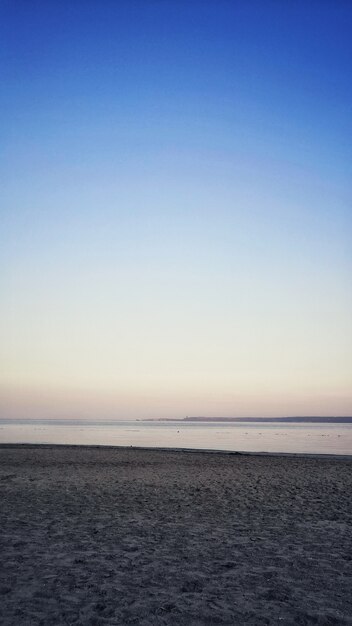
[{"x": 127, "y": 536}]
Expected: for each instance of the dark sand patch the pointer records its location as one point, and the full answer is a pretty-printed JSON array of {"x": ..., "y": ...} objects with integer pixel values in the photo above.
[{"x": 120, "y": 536}]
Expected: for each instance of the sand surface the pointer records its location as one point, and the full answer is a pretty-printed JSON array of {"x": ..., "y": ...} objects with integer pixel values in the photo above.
[{"x": 125, "y": 536}]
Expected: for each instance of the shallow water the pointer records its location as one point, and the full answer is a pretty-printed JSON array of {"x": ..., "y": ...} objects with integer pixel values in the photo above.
[{"x": 240, "y": 436}]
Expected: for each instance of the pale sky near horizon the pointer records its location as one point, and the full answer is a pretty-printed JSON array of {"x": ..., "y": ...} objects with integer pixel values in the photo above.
[{"x": 175, "y": 208}]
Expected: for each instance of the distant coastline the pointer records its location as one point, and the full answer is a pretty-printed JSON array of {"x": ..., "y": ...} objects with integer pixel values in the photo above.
[
  {"x": 312, "y": 419},
  {"x": 296, "y": 419}
]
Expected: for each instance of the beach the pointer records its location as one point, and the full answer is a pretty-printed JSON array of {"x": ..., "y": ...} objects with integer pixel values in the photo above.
[{"x": 101, "y": 535}]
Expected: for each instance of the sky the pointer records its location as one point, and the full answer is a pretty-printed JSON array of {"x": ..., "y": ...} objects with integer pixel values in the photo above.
[{"x": 175, "y": 191}]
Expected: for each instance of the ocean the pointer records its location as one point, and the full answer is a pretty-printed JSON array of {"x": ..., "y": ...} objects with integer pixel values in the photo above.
[{"x": 308, "y": 438}]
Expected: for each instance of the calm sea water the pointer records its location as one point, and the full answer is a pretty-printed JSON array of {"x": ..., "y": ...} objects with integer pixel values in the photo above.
[{"x": 240, "y": 436}]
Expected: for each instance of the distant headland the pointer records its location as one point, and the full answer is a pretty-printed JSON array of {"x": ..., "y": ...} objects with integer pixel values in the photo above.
[{"x": 302, "y": 418}]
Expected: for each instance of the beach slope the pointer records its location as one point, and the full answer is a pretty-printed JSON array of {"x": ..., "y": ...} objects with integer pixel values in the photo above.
[{"x": 125, "y": 536}]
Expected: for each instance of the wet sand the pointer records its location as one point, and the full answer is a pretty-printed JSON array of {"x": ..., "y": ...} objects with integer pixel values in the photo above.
[{"x": 125, "y": 536}]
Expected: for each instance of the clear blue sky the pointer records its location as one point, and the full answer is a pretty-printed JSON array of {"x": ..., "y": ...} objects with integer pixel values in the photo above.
[{"x": 175, "y": 208}]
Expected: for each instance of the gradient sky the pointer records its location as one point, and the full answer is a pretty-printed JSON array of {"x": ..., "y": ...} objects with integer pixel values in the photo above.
[{"x": 175, "y": 208}]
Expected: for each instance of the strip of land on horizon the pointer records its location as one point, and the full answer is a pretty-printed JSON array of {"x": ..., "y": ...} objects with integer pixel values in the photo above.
[{"x": 311, "y": 418}]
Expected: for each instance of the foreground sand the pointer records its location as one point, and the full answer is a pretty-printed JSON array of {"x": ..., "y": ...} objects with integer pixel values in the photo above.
[{"x": 125, "y": 536}]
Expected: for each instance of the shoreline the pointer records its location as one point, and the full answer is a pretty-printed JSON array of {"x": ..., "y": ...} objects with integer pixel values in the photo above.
[{"x": 245, "y": 453}]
